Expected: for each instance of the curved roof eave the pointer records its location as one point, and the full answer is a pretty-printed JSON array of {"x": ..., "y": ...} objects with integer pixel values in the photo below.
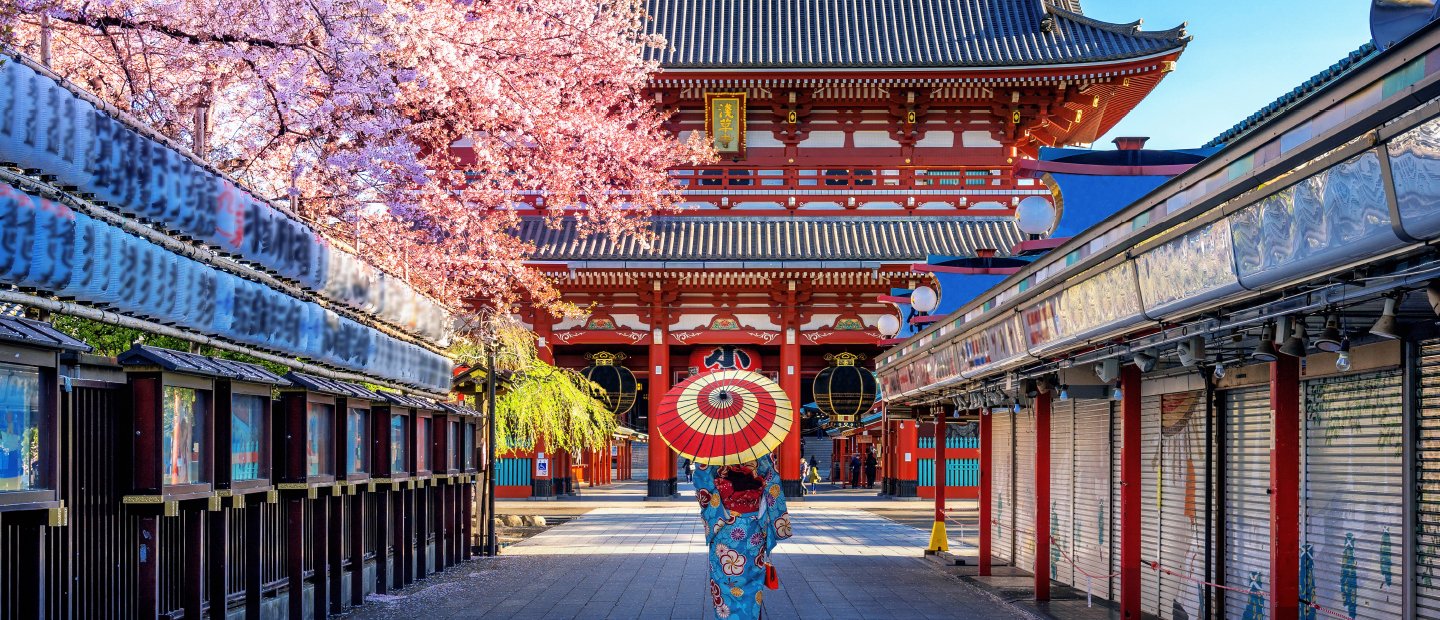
[{"x": 909, "y": 34}]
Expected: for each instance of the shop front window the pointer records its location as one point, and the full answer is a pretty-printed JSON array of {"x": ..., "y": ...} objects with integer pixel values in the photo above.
[
  {"x": 450, "y": 436},
  {"x": 248, "y": 414},
  {"x": 357, "y": 453},
  {"x": 467, "y": 447},
  {"x": 319, "y": 443},
  {"x": 399, "y": 444},
  {"x": 422, "y": 443},
  {"x": 184, "y": 428},
  {"x": 20, "y": 429}
]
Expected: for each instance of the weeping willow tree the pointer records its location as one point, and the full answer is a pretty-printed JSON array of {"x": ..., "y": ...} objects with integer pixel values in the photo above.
[{"x": 536, "y": 399}]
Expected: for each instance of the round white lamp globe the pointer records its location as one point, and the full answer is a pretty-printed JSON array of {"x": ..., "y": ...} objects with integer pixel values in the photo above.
[
  {"x": 1035, "y": 215},
  {"x": 888, "y": 325},
  {"x": 924, "y": 299}
]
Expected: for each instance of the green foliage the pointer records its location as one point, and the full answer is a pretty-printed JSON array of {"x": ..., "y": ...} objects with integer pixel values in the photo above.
[
  {"x": 538, "y": 399},
  {"x": 110, "y": 341}
]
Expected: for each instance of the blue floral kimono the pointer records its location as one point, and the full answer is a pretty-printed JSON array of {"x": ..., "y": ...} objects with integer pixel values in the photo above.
[{"x": 745, "y": 517}]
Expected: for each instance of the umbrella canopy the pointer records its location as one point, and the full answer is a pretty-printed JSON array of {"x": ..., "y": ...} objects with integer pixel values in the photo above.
[{"x": 726, "y": 417}]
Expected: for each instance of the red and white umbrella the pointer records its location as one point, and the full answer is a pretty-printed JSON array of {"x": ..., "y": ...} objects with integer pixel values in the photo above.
[{"x": 726, "y": 417}]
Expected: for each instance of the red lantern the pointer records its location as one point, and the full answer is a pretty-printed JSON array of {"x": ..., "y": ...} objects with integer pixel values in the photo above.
[{"x": 707, "y": 359}]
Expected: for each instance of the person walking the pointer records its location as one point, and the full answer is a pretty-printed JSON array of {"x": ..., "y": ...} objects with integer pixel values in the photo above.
[
  {"x": 813, "y": 476},
  {"x": 745, "y": 515},
  {"x": 870, "y": 465},
  {"x": 804, "y": 473},
  {"x": 854, "y": 470},
  {"x": 689, "y": 468}
]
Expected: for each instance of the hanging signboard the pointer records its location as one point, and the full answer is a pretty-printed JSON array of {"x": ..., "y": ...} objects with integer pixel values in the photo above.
[
  {"x": 725, "y": 122},
  {"x": 49, "y": 129},
  {"x": 45, "y": 245}
]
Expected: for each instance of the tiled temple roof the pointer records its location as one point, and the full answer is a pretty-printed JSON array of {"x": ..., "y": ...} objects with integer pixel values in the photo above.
[
  {"x": 797, "y": 34},
  {"x": 842, "y": 238}
]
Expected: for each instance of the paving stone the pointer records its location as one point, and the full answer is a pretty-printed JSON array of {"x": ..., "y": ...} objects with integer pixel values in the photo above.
[{"x": 650, "y": 562}]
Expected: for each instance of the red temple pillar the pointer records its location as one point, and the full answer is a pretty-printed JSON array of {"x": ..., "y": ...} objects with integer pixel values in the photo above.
[
  {"x": 1285, "y": 488},
  {"x": 660, "y": 455},
  {"x": 986, "y": 485},
  {"x": 1042, "y": 497},
  {"x": 1130, "y": 498},
  {"x": 939, "y": 540},
  {"x": 790, "y": 452}
]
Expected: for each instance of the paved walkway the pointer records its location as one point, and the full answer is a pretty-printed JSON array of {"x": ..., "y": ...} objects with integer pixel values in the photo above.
[{"x": 649, "y": 562}]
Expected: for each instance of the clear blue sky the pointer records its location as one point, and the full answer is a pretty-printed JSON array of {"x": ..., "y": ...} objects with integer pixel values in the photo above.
[{"x": 1245, "y": 53}]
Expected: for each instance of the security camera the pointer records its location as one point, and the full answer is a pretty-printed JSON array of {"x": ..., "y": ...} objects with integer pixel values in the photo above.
[{"x": 1108, "y": 370}]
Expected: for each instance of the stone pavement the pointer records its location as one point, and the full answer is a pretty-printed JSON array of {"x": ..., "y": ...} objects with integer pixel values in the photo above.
[{"x": 649, "y": 562}]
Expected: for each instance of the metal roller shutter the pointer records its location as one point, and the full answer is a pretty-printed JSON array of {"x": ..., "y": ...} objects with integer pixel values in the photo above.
[
  {"x": 1183, "y": 486},
  {"x": 1090, "y": 544},
  {"x": 1002, "y": 534},
  {"x": 1427, "y": 535},
  {"x": 1117, "y": 436},
  {"x": 1427, "y": 501},
  {"x": 1247, "y": 499},
  {"x": 1062, "y": 497},
  {"x": 1149, "y": 501},
  {"x": 639, "y": 461},
  {"x": 1351, "y": 539},
  {"x": 1025, "y": 490}
]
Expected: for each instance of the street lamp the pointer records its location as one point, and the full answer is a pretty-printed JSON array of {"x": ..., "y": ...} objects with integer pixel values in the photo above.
[
  {"x": 491, "y": 544},
  {"x": 888, "y": 325},
  {"x": 924, "y": 300}
]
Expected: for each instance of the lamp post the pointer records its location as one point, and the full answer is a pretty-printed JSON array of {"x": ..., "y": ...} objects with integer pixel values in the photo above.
[{"x": 490, "y": 542}]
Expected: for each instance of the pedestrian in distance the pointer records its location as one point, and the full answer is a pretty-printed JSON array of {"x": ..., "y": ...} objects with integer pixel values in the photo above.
[
  {"x": 855, "y": 470},
  {"x": 813, "y": 475},
  {"x": 689, "y": 468},
  {"x": 804, "y": 472},
  {"x": 870, "y": 465}
]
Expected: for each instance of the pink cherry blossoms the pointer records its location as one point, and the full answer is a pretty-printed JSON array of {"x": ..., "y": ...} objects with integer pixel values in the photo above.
[{"x": 353, "y": 110}]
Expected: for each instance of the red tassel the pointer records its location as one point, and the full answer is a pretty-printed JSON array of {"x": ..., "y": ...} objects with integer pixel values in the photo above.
[{"x": 772, "y": 580}]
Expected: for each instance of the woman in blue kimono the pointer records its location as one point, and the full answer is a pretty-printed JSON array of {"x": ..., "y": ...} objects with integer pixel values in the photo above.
[{"x": 745, "y": 517}]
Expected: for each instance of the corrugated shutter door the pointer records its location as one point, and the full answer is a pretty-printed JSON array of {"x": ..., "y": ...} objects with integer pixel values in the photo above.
[
  {"x": 1025, "y": 490},
  {"x": 1182, "y": 502},
  {"x": 1149, "y": 501},
  {"x": 1427, "y": 538},
  {"x": 1247, "y": 499},
  {"x": 639, "y": 461},
  {"x": 1117, "y": 436},
  {"x": 1090, "y": 545},
  {"x": 1350, "y": 559},
  {"x": 1002, "y": 534},
  {"x": 1062, "y": 422}
]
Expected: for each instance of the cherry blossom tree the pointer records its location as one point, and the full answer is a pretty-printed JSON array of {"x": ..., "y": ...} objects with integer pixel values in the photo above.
[{"x": 408, "y": 130}]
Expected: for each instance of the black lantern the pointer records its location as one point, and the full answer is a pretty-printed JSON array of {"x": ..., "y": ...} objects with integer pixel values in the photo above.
[
  {"x": 843, "y": 390},
  {"x": 617, "y": 381}
]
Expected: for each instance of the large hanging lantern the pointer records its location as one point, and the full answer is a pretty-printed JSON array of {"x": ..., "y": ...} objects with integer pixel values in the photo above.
[
  {"x": 707, "y": 359},
  {"x": 843, "y": 390},
  {"x": 617, "y": 381}
]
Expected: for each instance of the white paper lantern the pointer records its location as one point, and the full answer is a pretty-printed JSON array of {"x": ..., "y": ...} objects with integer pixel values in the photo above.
[
  {"x": 924, "y": 299},
  {"x": 888, "y": 325},
  {"x": 1035, "y": 215}
]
